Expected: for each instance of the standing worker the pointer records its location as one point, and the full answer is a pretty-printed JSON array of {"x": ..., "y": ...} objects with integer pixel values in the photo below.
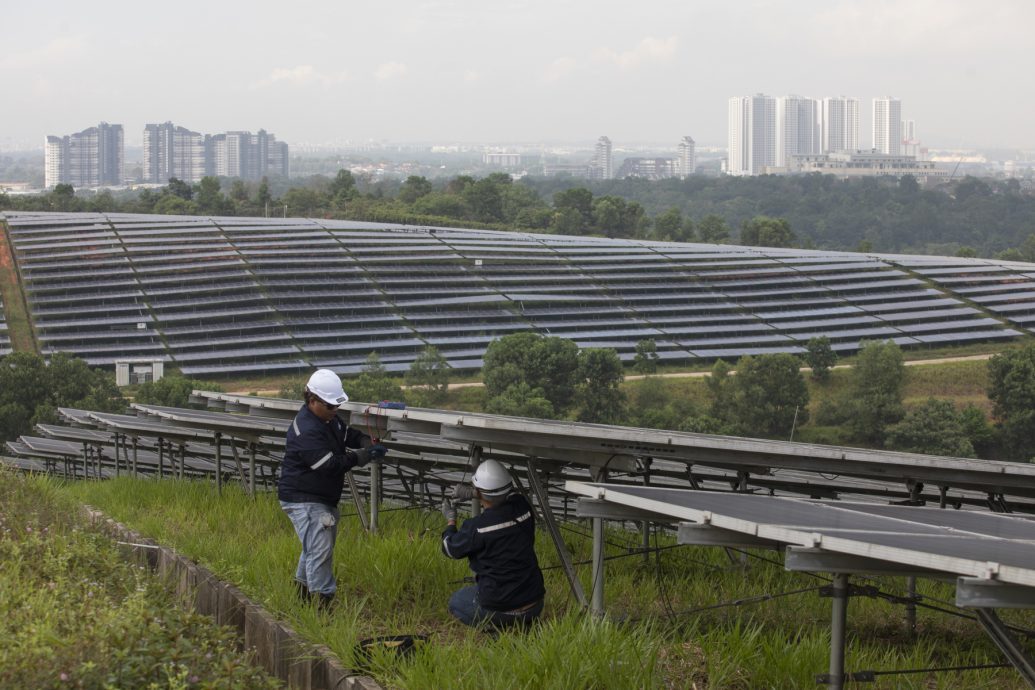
[
  {"x": 500, "y": 546},
  {"x": 320, "y": 449}
]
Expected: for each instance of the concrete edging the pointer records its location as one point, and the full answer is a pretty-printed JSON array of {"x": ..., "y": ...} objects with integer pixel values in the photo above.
[{"x": 275, "y": 647}]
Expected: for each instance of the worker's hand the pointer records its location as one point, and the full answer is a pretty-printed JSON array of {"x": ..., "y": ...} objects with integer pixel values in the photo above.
[
  {"x": 448, "y": 510},
  {"x": 462, "y": 492},
  {"x": 376, "y": 452}
]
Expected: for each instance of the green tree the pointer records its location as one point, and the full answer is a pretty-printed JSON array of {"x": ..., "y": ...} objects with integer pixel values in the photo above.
[
  {"x": 262, "y": 195},
  {"x": 548, "y": 364},
  {"x": 209, "y": 198},
  {"x": 178, "y": 187},
  {"x": 720, "y": 389},
  {"x": 171, "y": 391},
  {"x": 173, "y": 205},
  {"x": 521, "y": 400},
  {"x": 713, "y": 229},
  {"x": 31, "y": 390},
  {"x": 373, "y": 384},
  {"x": 820, "y": 357},
  {"x": 414, "y": 188},
  {"x": 485, "y": 200},
  {"x": 763, "y": 231},
  {"x": 578, "y": 199},
  {"x": 303, "y": 202},
  {"x": 598, "y": 395},
  {"x": 62, "y": 198},
  {"x": 645, "y": 361},
  {"x": 428, "y": 377},
  {"x": 1011, "y": 388},
  {"x": 874, "y": 399},
  {"x": 769, "y": 394},
  {"x": 933, "y": 428}
]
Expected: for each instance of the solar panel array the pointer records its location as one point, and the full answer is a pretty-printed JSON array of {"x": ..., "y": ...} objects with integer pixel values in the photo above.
[
  {"x": 5, "y": 338},
  {"x": 241, "y": 295}
]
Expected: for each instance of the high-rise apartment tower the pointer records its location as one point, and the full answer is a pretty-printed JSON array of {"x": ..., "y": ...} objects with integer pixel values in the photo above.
[
  {"x": 752, "y": 134},
  {"x": 887, "y": 125}
]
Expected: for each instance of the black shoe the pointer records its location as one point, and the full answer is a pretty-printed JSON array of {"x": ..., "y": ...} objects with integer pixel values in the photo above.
[
  {"x": 325, "y": 602},
  {"x": 303, "y": 592}
]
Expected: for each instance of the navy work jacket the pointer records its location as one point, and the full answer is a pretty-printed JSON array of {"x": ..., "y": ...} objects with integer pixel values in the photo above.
[
  {"x": 500, "y": 545},
  {"x": 316, "y": 458}
]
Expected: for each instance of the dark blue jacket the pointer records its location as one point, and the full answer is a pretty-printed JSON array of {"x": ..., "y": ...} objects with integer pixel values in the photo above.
[
  {"x": 500, "y": 544},
  {"x": 316, "y": 458}
]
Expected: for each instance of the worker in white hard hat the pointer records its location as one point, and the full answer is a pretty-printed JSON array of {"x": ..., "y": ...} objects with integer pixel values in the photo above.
[
  {"x": 320, "y": 449},
  {"x": 500, "y": 547}
]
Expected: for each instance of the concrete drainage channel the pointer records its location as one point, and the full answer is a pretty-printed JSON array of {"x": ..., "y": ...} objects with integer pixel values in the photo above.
[{"x": 277, "y": 648}]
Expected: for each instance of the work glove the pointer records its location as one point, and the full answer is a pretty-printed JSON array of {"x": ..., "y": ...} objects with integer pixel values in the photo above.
[
  {"x": 448, "y": 510},
  {"x": 462, "y": 492},
  {"x": 369, "y": 454}
]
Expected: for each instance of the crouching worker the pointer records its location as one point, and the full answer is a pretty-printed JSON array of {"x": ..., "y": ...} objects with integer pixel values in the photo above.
[
  {"x": 320, "y": 449},
  {"x": 500, "y": 546}
]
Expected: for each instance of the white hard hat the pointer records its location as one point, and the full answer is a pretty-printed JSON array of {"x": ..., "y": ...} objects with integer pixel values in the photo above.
[
  {"x": 326, "y": 385},
  {"x": 492, "y": 479}
]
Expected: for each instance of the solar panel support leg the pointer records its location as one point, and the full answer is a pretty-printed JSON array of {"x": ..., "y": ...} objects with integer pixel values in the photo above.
[
  {"x": 375, "y": 494},
  {"x": 1000, "y": 634},
  {"x": 183, "y": 458},
  {"x": 116, "y": 454},
  {"x": 134, "y": 456},
  {"x": 911, "y": 606},
  {"x": 555, "y": 533},
  {"x": 237, "y": 461},
  {"x": 597, "y": 605},
  {"x": 161, "y": 457},
  {"x": 475, "y": 459},
  {"x": 218, "y": 438},
  {"x": 251, "y": 469},
  {"x": 357, "y": 500},
  {"x": 838, "y": 620},
  {"x": 645, "y": 525}
]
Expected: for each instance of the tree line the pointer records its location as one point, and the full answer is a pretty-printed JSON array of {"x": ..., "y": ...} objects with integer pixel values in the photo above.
[{"x": 966, "y": 217}]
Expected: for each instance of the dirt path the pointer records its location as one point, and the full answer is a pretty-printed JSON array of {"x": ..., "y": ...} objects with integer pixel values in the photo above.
[{"x": 15, "y": 310}]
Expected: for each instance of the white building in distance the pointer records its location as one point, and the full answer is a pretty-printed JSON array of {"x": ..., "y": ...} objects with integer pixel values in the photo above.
[
  {"x": 171, "y": 151},
  {"x": 797, "y": 128},
  {"x": 603, "y": 160},
  {"x": 752, "y": 134},
  {"x": 687, "y": 157},
  {"x": 91, "y": 158},
  {"x": 887, "y": 125},
  {"x": 839, "y": 124}
]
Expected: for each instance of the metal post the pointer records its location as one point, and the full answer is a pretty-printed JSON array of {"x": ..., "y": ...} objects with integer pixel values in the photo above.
[
  {"x": 375, "y": 494},
  {"x": 134, "y": 456},
  {"x": 645, "y": 525},
  {"x": 555, "y": 533},
  {"x": 838, "y": 620},
  {"x": 942, "y": 491},
  {"x": 911, "y": 606},
  {"x": 219, "y": 463},
  {"x": 251, "y": 469},
  {"x": 597, "y": 607},
  {"x": 475, "y": 459},
  {"x": 86, "y": 467},
  {"x": 1002, "y": 638},
  {"x": 116, "y": 454},
  {"x": 183, "y": 458},
  {"x": 357, "y": 500},
  {"x": 161, "y": 457}
]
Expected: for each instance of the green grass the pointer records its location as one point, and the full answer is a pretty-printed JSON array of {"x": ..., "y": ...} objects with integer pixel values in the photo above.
[
  {"x": 76, "y": 614},
  {"x": 398, "y": 582}
]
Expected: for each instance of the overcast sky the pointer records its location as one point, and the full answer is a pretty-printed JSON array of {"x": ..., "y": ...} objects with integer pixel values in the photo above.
[{"x": 498, "y": 71}]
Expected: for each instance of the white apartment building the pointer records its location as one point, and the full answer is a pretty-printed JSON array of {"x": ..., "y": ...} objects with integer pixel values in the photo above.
[
  {"x": 839, "y": 124},
  {"x": 687, "y": 158},
  {"x": 603, "y": 160},
  {"x": 797, "y": 128},
  {"x": 887, "y": 125},
  {"x": 171, "y": 151},
  {"x": 91, "y": 158},
  {"x": 752, "y": 134}
]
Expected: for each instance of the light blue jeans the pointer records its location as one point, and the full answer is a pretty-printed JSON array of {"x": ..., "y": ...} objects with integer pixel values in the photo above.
[
  {"x": 316, "y": 525},
  {"x": 465, "y": 607}
]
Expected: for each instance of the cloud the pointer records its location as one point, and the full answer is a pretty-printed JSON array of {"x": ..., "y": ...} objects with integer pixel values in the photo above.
[
  {"x": 55, "y": 52},
  {"x": 559, "y": 69},
  {"x": 302, "y": 75},
  {"x": 471, "y": 76},
  {"x": 649, "y": 50},
  {"x": 390, "y": 70}
]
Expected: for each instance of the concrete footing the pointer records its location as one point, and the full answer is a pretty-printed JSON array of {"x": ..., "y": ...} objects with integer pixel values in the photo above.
[{"x": 274, "y": 646}]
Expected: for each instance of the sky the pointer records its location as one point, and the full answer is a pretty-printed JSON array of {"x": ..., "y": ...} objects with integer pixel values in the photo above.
[{"x": 510, "y": 71}]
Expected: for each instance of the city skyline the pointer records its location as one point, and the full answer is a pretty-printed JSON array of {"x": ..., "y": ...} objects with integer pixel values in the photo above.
[{"x": 470, "y": 72}]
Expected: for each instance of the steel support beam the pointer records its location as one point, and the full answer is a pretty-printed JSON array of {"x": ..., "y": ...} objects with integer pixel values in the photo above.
[
  {"x": 599, "y": 508},
  {"x": 375, "y": 494},
  {"x": 799, "y": 558},
  {"x": 218, "y": 439},
  {"x": 1000, "y": 634},
  {"x": 979, "y": 593},
  {"x": 555, "y": 533},
  {"x": 706, "y": 535},
  {"x": 838, "y": 623},
  {"x": 475, "y": 459},
  {"x": 597, "y": 605}
]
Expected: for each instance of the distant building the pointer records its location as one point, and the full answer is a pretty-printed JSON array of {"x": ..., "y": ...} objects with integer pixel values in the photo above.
[
  {"x": 649, "y": 168},
  {"x": 171, "y": 151},
  {"x": 91, "y": 158},
  {"x": 245, "y": 155},
  {"x": 603, "y": 160},
  {"x": 687, "y": 158},
  {"x": 797, "y": 128},
  {"x": 566, "y": 170},
  {"x": 501, "y": 159},
  {"x": 851, "y": 164},
  {"x": 911, "y": 142},
  {"x": 887, "y": 125},
  {"x": 839, "y": 124},
  {"x": 752, "y": 134}
]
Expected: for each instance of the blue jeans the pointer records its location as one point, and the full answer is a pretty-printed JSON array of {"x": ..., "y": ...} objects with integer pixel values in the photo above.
[
  {"x": 316, "y": 525},
  {"x": 465, "y": 607}
]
